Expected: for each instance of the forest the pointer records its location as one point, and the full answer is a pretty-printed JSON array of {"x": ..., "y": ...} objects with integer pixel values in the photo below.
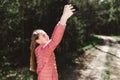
[{"x": 18, "y": 19}]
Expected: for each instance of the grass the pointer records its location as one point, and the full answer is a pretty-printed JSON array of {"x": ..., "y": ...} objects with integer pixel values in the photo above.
[
  {"x": 8, "y": 73},
  {"x": 107, "y": 74}
]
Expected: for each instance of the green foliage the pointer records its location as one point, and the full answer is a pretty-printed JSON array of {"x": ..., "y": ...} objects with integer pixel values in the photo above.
[
  {"x": 9, "y": 73},
  {"x": 18, "y": 18}
]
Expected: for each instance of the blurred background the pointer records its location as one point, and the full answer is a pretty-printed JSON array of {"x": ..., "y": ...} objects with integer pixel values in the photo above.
[{"x": 18, "y": 18}]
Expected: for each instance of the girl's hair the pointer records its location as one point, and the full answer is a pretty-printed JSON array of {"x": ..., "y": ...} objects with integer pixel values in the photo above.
[{"x": 33, "y": 45}]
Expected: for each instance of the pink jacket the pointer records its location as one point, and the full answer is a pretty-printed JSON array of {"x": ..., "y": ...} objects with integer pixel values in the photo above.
[{"x": 46, "y": 63}]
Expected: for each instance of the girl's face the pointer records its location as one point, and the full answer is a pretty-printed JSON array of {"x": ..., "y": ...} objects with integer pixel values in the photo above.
[{"x": 42, "y": 38}]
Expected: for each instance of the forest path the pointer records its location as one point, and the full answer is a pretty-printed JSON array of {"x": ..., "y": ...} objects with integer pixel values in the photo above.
[{"x": 102, "y": 62}]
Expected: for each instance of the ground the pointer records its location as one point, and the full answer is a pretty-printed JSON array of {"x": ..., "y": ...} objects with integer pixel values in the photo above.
[{"x": 98, "y": 63}]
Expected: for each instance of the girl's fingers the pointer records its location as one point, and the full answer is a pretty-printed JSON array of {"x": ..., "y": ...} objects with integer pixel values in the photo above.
[
  {"x": 73, "y": 10},
  {"x": 71, "y": 7},
  {"x": 67, "y": 5}
]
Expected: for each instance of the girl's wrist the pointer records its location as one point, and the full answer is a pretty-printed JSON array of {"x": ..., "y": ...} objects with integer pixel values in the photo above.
[{"x": 63, "y": 20}]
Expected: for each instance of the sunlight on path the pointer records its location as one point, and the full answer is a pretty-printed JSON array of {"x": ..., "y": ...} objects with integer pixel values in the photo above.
[
  {"x": 101, "y": 62},
  {"x": 96, "y": 67},
  {"x": 98, "y": 63},
  {"x": 115, "y": 63}
]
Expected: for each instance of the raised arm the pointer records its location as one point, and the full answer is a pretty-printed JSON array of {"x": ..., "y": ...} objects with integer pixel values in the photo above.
[
  {"x": 60, "y": 27},
  {"x": 58, "y": 32}
]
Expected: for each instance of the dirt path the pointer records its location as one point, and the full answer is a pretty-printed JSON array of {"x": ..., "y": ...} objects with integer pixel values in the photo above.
[
  {"x": 114, "y": 63},
  {"x": 99, "y": 63},
  {"x": 95, "y": 67}
]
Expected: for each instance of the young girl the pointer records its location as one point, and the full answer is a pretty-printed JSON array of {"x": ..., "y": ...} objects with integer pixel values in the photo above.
[{"x": 42, "y": 48}]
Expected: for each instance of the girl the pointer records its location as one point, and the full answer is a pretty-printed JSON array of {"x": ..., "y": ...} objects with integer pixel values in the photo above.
[{"x": 42, "y": 48}]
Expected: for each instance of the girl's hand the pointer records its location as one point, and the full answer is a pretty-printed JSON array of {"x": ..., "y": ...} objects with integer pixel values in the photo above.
[{"x": 67, "y": 13}]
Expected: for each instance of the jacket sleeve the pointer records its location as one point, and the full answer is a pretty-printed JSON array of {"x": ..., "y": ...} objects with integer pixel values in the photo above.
[{"x": 55, "y": 40}]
